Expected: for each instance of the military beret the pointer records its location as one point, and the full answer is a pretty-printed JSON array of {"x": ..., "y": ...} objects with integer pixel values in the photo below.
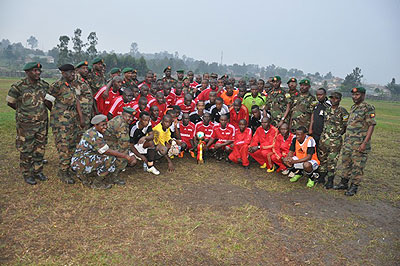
[
  {"x": 98, "y": 119},
  {"x": 66, "y": 67},
  {"x": 127, "y": 69},
  {"x": 276, "y": 78},
  {"x": 83, "y": 63},
  {"x": 358, "y": 89},
  {"x": 305, "y": 81},
  {"x": 97, "y": 60},
  {"x": 336, "y": 94},
  {"x": 30, "y": 65},
  {"x": 115, "y": 70},
  {"x": 128, "y": 110},
  {"x": 180, "y": 71},
  {"x": 167, "y": 68},
  {"x": 292, "y": 80}
]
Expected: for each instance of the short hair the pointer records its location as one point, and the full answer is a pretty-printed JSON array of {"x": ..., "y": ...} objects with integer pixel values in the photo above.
[
  {"x": 127, "y": 90},
  {"x": 302, "y": 128},
  {"x": 255, "y": 107},
  {"x": 167, "y": 116},
  {"x": 322, "y": 89},
  {"x": 144, "y": 113},
  {"x": 219, "y": 99},
  {"x": 171, "y": 112}
]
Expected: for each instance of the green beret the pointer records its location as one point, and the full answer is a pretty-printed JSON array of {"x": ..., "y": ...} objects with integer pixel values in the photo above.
[
  {"x": 98, "y": 119},
  {"x": 167, "y": 68},
  {"x": 97, "y": 60},
  {"x": 358, "y": 89},
  {"x": 30, "y": 65},
  {"x": 276, "y": 78},
  {"x": 66, "y": 67},
  {"x": 336, "y": 94},
  {"x": 305, "y": 81},
  {"x": 115, "y": 70},
  {"x": 128, "y": 110},
  {"x": 127, "y": 69},
  {"x": 180, "y": 71},
  {"x": 83, "y": 63},
  {"x": 292, "y": 80}
]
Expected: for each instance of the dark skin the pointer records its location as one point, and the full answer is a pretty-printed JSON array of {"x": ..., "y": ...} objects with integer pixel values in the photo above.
[
  {"x": 218, "y": 104},
  {"x": 154, "y": 112},
  {"x": 212, "y": 96},
  {"x": 265, "y": 124},
  {"x": 99, "y": 67},
  {"x": 147, "y": 140},
  {"x": 167, "y": 73},
  {"x": 199, "y": 79},
  {"x": 135, "y": 92},
  {"x": 149, "y": 78},
  {"x": 292, "y": 86},
  {"x": 167, "y": 89},
  {"x": 358, "y": 98},
  {"x": 213, "y": 84},
  {"x": 260, "y": 85},
  {"x": 178, "y": 89},
  {"x": 69, "y": 76},
  {"x": 242, "y": 92},
  {"x": 190, "y": 75},
  {"x": 237, "y": 104},
  {"x": 102, "y": 127},
  {"x": 166, "y": 123},
  {"x": 83, "y": 71},
  {"x": 142, "y": 104},
  {"x": 321, "y": 96},
  {"x": 188, "y": 100},
  {"x": 304, "y": 89},
  {"x": 254, "y": 91},
  {"x": 289, "y": 161},
  {"x": 224, "y": 122},
  {"x": 160, "y": 97},
  {"x": 200, "y": 107},
  {"x": 284, "y": 130},
  {"x": 256, "y": 113},
  {"x": 229, "y": 89},
  {"x": 127, "y": 97},
  {"x": 115, "y": 83},
  {"x": 185, "y": 122},
  {"x": 206, "y": 122},
  {"x": 180, "y": 75}
]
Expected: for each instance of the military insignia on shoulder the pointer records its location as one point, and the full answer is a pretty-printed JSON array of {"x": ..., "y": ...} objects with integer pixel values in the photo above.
[
  {"x": 372, "y": 115},
  {"x": 287, "y": 95},
  {"x": 314, "y": 103},
  {"x": 345, "y": 117}
]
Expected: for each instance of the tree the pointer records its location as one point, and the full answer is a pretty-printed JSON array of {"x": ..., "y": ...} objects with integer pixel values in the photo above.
[
  {"x": 393, "y": 87},
  {"x": 134, "y": 49},
  {"x": 328, "y": 75},
  {"x": 325, "y": 85},
  {"x": 64, "y": 55},
  {"x": 78, "y": 46},
  {"x": 92, "y": 40},
  {"x": 352, "y": 80},
  {"x": 32, "y": 42},
  {"x": 142, "y": 66}
]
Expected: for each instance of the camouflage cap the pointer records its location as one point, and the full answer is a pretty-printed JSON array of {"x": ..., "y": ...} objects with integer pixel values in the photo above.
[
  {"x": 167, "y": 68},
  {"x": 30, "y": 65},
  {"x": 98, "y": 119},
  {"x": 180, "y": 71},
  {"x": 336, "y": 94},
  {"x": 83, "y": 63},
  {"x": 276, "y": 78},
  {"x": 128, "y": 110},
  {"x": 292, "y": 80},
  {"x": 127, "y": 69},
  {"x": 66, "y": 67},
  {"x": 115, "y": 70},
  {"x": 305, "y": 81},
  {"x": 358, "y": 89},
  {"x": 97, "y": 60}
]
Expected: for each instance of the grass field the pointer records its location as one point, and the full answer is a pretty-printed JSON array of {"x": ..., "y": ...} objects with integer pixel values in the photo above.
[{"x": 215, "y": 213}]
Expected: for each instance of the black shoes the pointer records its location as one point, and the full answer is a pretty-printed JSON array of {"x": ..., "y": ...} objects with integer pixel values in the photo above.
[
  {"x": 329, "y": 183},
  {"x": 41, "y": 177},
  {"x": 30, "y": 180},
  {"x": 352, "y": 190},
  {"x": 65, "y": 177},
  {"x": 343, "y": 185}
]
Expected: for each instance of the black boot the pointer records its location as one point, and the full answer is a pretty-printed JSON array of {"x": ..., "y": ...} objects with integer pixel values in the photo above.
[
  {"x": 344, "y": 184},
  {"x": 329, "y": 183},
  {"x": 30, "y": 180},
  {"x": 65, "y": 177},
  {"x": 116, "y": 179},
  {"x": 321, "y": 178},
  {"x": 352, "y": 190},
  {"x": 41, "y": 177}
]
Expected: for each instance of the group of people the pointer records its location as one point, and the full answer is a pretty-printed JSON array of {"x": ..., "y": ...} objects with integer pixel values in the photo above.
[{"x": 103, "y": 125}]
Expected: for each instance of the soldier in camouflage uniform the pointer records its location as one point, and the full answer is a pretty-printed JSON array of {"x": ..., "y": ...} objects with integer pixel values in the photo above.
[
  {"x": 127, "y": 82},
  {"x": 291, "y": 94},
  {"x": 335, "y": 121},
  {"x": 277, "y": 103},
  {"x": 303, "y": 106},
  {"x": 117, "y": 137},
  {"x": 167, "y": 76},
  {"x": 84, "y": 94},
  {"x": 93, "y": 155},
  {"x": 356, "y": 145},
  {"x": 27, "y": 98},
  {"x": 115, "y": 71},
  {"x": 65, "y": 116},
  {"x": 96, "y": 78}
]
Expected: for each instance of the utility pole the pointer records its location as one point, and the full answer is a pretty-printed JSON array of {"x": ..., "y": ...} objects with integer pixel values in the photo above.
[{"x": 222, "y": 56}]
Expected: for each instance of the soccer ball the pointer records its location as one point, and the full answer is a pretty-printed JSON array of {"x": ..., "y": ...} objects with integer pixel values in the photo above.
[{"x": 200, "y": 135}]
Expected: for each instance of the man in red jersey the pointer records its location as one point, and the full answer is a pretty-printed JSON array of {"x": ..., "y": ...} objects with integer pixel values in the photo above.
[
  {"x": 206, "y": 126},
  {"x": 238, "y": 112},
  {"x": 285, "y": 139},
  {"x": 141, "y": 106},
  {"x": 154, "y": 116},
  {"x": 187, "y": 130},
  {"x": 170, "y": 97},
  {"x": 159, "y": 101},
  {"x": 120, "y": 102},
  {"x": 223, "y": 135},
  {"x": 104, "y": 96},
  {"x": 240, "y": 153},
  {"x": 204, "y": 95},
  {"x": 187, "y": 105}
]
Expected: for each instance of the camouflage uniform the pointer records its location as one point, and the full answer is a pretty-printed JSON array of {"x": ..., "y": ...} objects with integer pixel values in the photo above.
[
  {"x": 169, "y": 80},
  {"x": 64, "y": 121},
  {"x": 129, "y": 84},
  {"x": 361, "y": 117},
  {"x": 276, "y": 103},
  {"x": 335, "y": 121},
  {"x": 89, "y": 157},
  {"x": 96, "y": 81},
  {"x": 31, "y": 123},
  {"x": 85, "y": 96},
  {"x": 303, "y": 106},
  {"x": 117, "y": 136},
  {"x": 291, "y": 96}
]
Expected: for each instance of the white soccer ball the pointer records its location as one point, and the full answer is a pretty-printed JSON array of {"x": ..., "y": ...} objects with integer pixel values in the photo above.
[{"x": 200, "y": 135}]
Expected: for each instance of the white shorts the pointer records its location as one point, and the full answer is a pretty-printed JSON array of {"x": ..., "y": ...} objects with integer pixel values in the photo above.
[{"x": 300, "y": 165}]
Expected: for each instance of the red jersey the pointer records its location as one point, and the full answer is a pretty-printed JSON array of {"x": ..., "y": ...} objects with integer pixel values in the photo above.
[
  {"x": 207, "y": 130},
  {"x": 117, "y": 105},
  {"x": 170, "y": 99},
  {"x": 103, "y": 105},
  {"x": 178, "y": 97},
  {"x": 185, "y": 108},
  {"x": 243, "y": 137},
  {"x": 187, "y": 132},
  {"x": 194, "y": 84},
  {"x": 285, "y": 144},
  {"x": 263, "y": 139},
  {"x": 205, "y": 95},
  {"x": 161, "y": 107},
  {"x": 143, "y": 83},
  {"x": 234, "y": 117},
  {"x": 138, "y": 111},
  {"x": 223, "y": 134},
  {"x": 156, "y": 122}
]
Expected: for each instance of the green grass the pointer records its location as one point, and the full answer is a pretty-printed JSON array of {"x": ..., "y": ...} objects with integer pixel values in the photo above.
[{"x": 215, "y": 213}]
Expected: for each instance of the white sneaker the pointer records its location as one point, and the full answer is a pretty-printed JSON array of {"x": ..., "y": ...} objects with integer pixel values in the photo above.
[
  {"x": 285, "y": 172},
  {"x": 291, "y": 174},
  {"x": 153, "y": 170}
]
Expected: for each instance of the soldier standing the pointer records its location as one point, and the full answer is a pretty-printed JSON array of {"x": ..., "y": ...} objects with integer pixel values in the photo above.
[
  {"x": 303, "y": 106},
  {"x": 357, "y": 141},
  {"x": 97, "y": 79},
  {"x": 28, "y": 98},
  {"x": 317, "y": 117},
  {"x": 84, "y": 94},
  {"x": 167, "y": 76},
  {"x": 277, "y": 103},
  {"x": 335, "y": 121},
  {"x": 64, "y": 118}
]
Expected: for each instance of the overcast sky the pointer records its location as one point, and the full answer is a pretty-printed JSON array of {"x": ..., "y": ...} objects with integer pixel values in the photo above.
[{"x": 309, "y": 35}]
